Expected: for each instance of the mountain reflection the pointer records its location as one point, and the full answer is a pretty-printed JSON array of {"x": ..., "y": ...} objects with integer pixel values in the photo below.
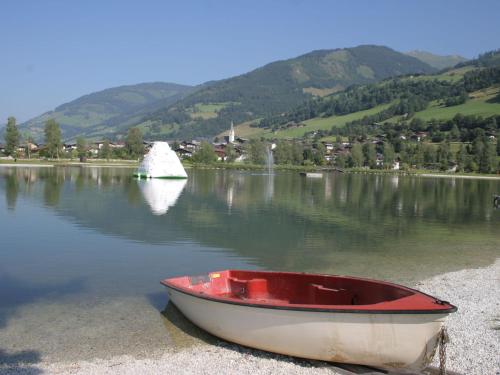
[
  {"x": 161, "y": 194},
  {"x": 348, "y": 223}
]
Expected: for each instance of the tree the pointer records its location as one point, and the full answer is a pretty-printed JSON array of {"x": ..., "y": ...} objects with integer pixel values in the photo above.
[
  {"x": 256, "y": 151},
  {"x": 105, "y": 151},
  {"x": 356, "y": 155},
  {"x": 429, "y": 154},
  {"x": 52, "y": 138},
  {"x": 487, "y": 162},
  {"x": 498, "y": 144},
  {"x": 454, "y": 133},
  {"x": 461, "y": 158},
  {"x": 81, "y": 148},
  {"x": 297, "y": 153},
  {"x": 205, "y": 154},
  {"x": 11, "y": 136},
  {"x": 389, "y": 155},
  {"x": 443, "y": 155},
  {"x": 231, "y": 153},
  {"x": 29, "y": 140},
  {"x": 340, "y": 161},
  {"x": 370, "y": 155},
  {"x": 319, "y": 155},
  {"x": 283, "y": 153},
  {"x": 134, "y": 143}
]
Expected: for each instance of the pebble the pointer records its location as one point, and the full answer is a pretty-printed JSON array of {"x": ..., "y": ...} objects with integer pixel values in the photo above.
[{"x": 474, "y": 348}]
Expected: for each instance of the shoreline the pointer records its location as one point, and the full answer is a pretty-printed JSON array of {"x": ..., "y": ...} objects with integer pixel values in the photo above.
[
  {"x": 248, "y": 167},
  {"x": 474, "y": 332}
]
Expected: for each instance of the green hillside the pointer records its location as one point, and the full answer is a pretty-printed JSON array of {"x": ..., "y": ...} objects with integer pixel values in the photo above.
[
  {"x": 276, "y": 88},
  {"x": 320, "y": 123},
  {"x": 437, "y": 61},
  {"x": 108, "y": 112},
  {"x": 472, "y": 89}
]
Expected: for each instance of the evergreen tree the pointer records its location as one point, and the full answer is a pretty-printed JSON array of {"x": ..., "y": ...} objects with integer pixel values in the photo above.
[
  {"x": 52, "y": 138},
  {"x": 11, "y": 136},
  {"x": 134, "y": 143}
]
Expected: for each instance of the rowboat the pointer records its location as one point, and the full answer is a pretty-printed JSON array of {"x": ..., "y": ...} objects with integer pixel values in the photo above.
[{"x": 323, "y": 317}]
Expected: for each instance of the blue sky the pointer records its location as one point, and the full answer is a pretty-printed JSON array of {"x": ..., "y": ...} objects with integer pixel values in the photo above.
[{"x": 55, "y": 51}]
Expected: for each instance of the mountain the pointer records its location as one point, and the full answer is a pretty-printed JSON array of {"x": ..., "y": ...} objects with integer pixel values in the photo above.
[
  {"x": 276, "y": 88},
  {"x": 437, "y": 61},
  {"x": 471, "y": 89},
  {"x": 107, "y": 112}
]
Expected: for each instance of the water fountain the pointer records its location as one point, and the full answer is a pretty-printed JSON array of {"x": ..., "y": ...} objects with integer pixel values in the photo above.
[{"x": 269, "y": 160}]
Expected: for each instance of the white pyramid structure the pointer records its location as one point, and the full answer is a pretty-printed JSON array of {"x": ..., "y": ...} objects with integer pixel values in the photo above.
[
  {"x": 161, "y": 194},
  {"x": 161, "y": 162}
]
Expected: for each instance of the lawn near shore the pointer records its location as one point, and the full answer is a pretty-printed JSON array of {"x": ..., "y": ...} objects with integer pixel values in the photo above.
[{"x": 244, "y": 166}]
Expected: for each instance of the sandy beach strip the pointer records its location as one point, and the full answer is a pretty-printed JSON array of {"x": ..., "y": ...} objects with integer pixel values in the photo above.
[{"x": 474, "y": 331}]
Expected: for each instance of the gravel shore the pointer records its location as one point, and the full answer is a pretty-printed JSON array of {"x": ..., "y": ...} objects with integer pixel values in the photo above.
[{"x": 474, "y": 331}]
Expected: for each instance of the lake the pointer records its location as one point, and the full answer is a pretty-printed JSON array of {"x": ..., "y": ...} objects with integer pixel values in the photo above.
[{"x": 83, "y": 249}]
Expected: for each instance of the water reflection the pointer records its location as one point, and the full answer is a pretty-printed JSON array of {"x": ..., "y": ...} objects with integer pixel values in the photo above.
[
  {"x": 361, "y": 224},
  {"x": 161, "y": 194}
]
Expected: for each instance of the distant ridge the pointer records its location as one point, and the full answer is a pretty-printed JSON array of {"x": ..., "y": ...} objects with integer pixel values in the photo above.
[
  {"x": 437, "y": 61},
  {"x": 277, "y": 87},
  {"x": 110, "y": 111},
  {"x": 172, "y": 111}
]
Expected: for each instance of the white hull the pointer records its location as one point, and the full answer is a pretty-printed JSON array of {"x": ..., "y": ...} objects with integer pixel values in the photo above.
[{"x": 379, "y": 340}]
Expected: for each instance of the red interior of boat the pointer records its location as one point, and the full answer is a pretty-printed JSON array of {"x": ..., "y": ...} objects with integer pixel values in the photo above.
[{"x": 308, "y": 290}]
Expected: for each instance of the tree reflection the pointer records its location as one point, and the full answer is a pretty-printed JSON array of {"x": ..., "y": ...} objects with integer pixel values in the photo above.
[{"x": 11, "y": 190}]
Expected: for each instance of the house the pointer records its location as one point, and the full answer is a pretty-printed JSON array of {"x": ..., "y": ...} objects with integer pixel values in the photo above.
[
  {"x": 328, "y": 146},
  {"x": 183, "y": 153},
  {"x": 420, "y": 136},
  {"x": 118, "y": 144},
  {"x": 221, "y": 153},
  {"x": 192, "y": 146},
  {"x": 69, "y": 146},
  {"x": 241, "y": 140}
]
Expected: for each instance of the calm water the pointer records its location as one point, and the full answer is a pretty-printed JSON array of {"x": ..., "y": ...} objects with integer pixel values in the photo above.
[{"x": 83, "y": 249}]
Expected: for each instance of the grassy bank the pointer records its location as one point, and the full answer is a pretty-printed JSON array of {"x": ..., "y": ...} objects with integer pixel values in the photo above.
[
  {"x": 302, "y": 168},
  {"x": 70, "y": 162},
  {"x": 247, "y": 167}
]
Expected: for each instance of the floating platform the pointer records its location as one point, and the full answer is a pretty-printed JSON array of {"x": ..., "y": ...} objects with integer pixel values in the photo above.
[
  {"x": 161, "y": 162},
  {"x": 312, "y": 174},
  {"x": 146, "y": 176}
]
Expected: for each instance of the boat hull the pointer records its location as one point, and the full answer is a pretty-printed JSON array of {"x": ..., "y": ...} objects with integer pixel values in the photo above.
[{"x": 384, "y": 340}]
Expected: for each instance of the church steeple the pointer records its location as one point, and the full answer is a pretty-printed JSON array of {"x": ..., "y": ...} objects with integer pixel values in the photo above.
[{"x": 231, "y": 133}]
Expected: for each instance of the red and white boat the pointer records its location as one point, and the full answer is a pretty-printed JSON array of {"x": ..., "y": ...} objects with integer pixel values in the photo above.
[{"x": 324, "y": 317}]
